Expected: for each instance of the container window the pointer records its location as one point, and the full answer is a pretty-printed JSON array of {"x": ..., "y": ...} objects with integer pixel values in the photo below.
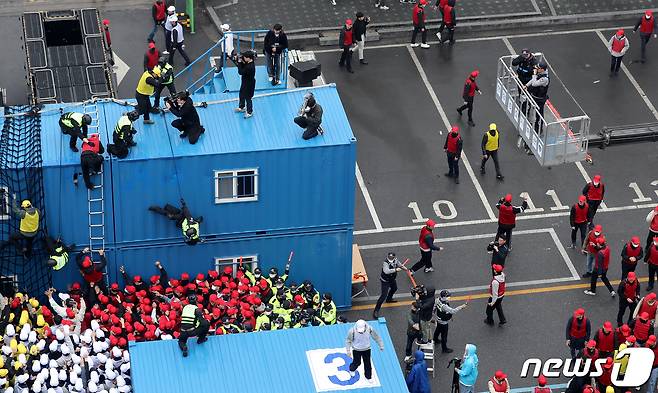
[
  {"x": 236, "y": 185},
  {"x": 4, "y": 203},
  {"x": 249, "y": 262}
]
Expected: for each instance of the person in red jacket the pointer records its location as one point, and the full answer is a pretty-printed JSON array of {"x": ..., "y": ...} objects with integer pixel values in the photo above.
[
  {"x": 617, "y": 46},
  {"x": 601, "y": 263},
  {"x": 470, "y": 87},
  {"x": 629, "y": 294},
  {"x": 91, "y": 158},
  {"x": 651, "y": 343},
  {"x": 605, "y": 380},
  {"x": 418, "y": 19},
  {"x": 541, "y": 385},
  {"x": 578, "y": 219},
  {"x": 507, "y": 217},
  {"x": 652, "y": 220},
  {"x": 649, "y": 305},
  {"x": 92, "y": 272},
  {"x": 605, "y": 340},
  {"x": 642, "y": 327},
  {"x": 151, "y": 57},
  {"x": 453, "y": 149},
  {"x": 590, "y": 352},
  {"x": 578, "y": 331},
  {"x": 594, "y": 191},
  {"x": 499, "y": 383},
  {"x": 426, "y": 243},
  {"x": 496, "y": 296},
  {"x": 449, "y": 21},
  {"x": 647, "y": 26},
  {"x": 621, "y": 335},
  {"x": 630, "y": 254},
  {"x": 589, "y": 249},
  {"x": 651, "y": 257},
  {"x": 347, "y": 42},
  {"x": 159, "y": 15}
]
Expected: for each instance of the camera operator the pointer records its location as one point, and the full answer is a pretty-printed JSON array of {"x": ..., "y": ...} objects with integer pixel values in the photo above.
[
  {"x": 425, "y": 300},
  {"x": 537, "y": 86},
  {"x": 189, "y": 125},
  {"x": 413, "y": 330},
  {"x": 310, "y": 118},
  {"x": 246, "y": 69}
]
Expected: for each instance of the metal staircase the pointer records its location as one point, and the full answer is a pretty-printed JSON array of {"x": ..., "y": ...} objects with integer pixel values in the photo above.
[{"x": 95, "y": 196}]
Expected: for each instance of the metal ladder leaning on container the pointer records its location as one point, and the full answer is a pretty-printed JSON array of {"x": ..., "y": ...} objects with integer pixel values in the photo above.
[
  {"x": 428, "y": 350},
  {"x": 96, "y": 196}
]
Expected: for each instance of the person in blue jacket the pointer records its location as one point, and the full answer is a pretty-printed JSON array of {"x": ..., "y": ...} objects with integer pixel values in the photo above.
[
  {"x": 418, "y": 381},
  {"x": 468, "y": 372}
]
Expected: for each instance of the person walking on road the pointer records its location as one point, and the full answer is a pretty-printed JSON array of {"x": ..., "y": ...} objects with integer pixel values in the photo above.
[
  {"x": 652, "y": 220},
  {"x": 171, "y": 12},
  {"x": 589, "y": 249},
  {"x": 647, "y": 26},
  {"x": 490, "y": 145},
  {"x": 177, "y": 42},
  {"x": 498, "y": 383},
  {"x": 541, "y": 385},
  {"x": 453, "y": 148},
  {"x": 347, "y": 42},
  {"x": 159, "y": 15},
  {"x": 601, "y": 263},
  {"x": 360, "y": 27},
  {"x": 468, "y": 371},
  {"x": 390, "y": 269},
  {"x": 629, "y": 295},
  {"x": 651, "y": 344},
  {"x": 448, "y": 23},
  {"x": 578, "y": 218},
  {"x": 496, "y": 295},
  {"x": 578, "y": 331},
  {"x": 426, "y": 243},
  {"x": 444, "y": 314},
  {"x": 594, "y": 191},
  {"x": 418, "y": 19},
  {"x": 507, "y": 217},
  {"x": 630, "y": 254},
  {"x": 357, "y": 345},
  {"x": 468, "y": 94},
  {"x": 618, "y": 46},
  {"x": 649, "y": 305},
  {"x": 499, "y": 251},
  {"x": 642, "y": 327},
  {"x": 605, "y": 340},
  {"x": 651, "y": 258}
]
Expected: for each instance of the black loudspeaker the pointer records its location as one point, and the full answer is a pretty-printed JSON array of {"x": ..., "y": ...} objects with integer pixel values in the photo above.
[{"x": 305, "y": 71}]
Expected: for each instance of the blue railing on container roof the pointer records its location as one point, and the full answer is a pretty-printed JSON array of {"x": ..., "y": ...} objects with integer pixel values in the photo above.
[{"x": 199, "y": 72}]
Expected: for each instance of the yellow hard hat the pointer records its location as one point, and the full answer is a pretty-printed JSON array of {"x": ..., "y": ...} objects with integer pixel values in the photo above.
[
  {"x": 13, "y": 344},
  {"x": 34, "y": 350},
  {"x": 18, "y": 365},
  {"x": 157, "y": 71},
  {"x": 34, "y": 302},
  {"x": 40, "y": 320},
  {"x": 18, "y": 294},
  {"x": 492, "y": 126},
  {"x": 26, "y": 203},
  {"x": 3, "y": 372},
  {"x": 2, "y": 362},
  {"x": 21, "y": 348}
]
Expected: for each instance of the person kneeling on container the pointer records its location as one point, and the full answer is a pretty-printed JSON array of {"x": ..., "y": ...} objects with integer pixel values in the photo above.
[
  {"x": 188, "y": 123},
  {"x": 310, "y": 117},
  {"x": 192, "y": 324},
  {"x": 358, "y": 347}
]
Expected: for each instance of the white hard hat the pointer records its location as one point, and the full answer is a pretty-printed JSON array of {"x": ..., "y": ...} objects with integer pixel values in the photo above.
[
  {"x": 173, "y": 18},
  {"x": 171, "y": 8},
  {"x": 360, "y": 326},
  {"x": 225, "y": 27}
]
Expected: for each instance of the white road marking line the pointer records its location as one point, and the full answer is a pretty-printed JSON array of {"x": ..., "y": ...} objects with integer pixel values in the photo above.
[
  {"x": 366, "y": 196},
  {"x": 487, "y": 221},
  {"x": 583, "y": 172},
  {"x": 633, "y": 81},
  {"x": 453, "y": 239},
  {"x": 565, "y": 256},
  {"x": 508, "y": 45},
  {"x": 446, "y": 122},
  {"x": 551, "y": 7}
]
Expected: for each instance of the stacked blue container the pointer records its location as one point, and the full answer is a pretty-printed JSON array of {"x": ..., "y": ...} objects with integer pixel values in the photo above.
[{"x": 263, "y": 191}]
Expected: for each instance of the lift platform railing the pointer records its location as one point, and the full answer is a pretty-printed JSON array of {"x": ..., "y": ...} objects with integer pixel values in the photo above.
[
  {"x": 552, "y": 139},
  {"x": 201, "y": 70}
]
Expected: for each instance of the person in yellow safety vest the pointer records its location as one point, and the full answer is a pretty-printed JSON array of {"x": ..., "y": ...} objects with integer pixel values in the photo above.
[
  {"x": 255, "y": 277},
  {"x": 192, "y": 324},
  {"x": 28, "y": 228},
  {"x": 149, "y": 80},
  {"x": 490, "y": 145},
  {"x": 123, "y": 135},
  {"x": 328, "y": 309},
  {"x": 266, "y": 317},
  {"x": 279, "y": 324},
  {"x": 274, "y": 274},
  {"x": 188, "y": 224},
  {"x": 166, "y": 80},
  {"x": 58, "y": 252},
  {"x": 75, "y": 124},
  {"x": 280, "y": 287}
]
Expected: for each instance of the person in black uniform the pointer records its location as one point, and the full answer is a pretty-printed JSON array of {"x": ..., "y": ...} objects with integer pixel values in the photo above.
[
  {"x": 274, "y": 44},
  {"x": 192, "y": 324},
  {"x": 310, "y": 117},
  {"x": 499, "y": 250},
  {"x": 247, "y": 69},
  {"x": 122, "y": 137},
  {"x": 537, "y": 86},
  {"x": 188, "y": 123},
  {"x": 525, "y": 67},
  {"x": 390, "y": 269},
  {"x": 444, "y": 314}
]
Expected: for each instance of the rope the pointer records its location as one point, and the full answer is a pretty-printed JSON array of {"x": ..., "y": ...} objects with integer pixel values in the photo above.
[
  {"x": 35, "y": 111},
  {"x": 173, "y": 159},
  {"x": 286, "y": 91}
]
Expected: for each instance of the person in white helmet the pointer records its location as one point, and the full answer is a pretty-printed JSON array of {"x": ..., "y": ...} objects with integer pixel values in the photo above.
[
  {"x": 357, "y": 345},
  {"x": 171, "y": 11},
  {"x": 177, "y": 41}
]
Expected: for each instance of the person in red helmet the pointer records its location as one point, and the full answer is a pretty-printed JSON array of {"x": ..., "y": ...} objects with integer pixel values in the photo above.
[
  {"x": 651, "y": 258},
  {"x": 468, "y": 94},
  {"x": 418, "y": 18},
  {"x": 651, "y": 344},
  {"x": 601, "y": 263},
  {"x": 347, "y": 42},
  {"x": 498, "y": 383},
  {"x": 649, "y": 305},
  {"x": 496, "y": 295},
  {"x": 621, "y": 334},
  {"x": 617, "y": 46},
  {"x": 652, "y": 220},
  {"x": 647, "y": 26},
  {"x": 541, "y": 385},
  {"x": 507, "y": 217},
  {"x": 629, "y": 295},
  {"x": 590, "y": 250},
  {"x": 578, "y": 219},
  {"x": 630, "y": 254},
  {"x": 578, "y": 331},
  {"x": 594, "y": 191},
  {"x": 136, "y": 281},
  {"x": 605, "y": 340},
  {"x": 91, "y": 271},
  {"x": 426, "y": 243},
  {"x": 448, "y": 21},
  {"x": 590, "y": 352},
  {"x": 605, "y": 380},
  {"x": 453, "y": 148},
  {"x": 642, "y": 327},
  {"x": 590, "y": 389},
  {"x": 159, "y": 15}
]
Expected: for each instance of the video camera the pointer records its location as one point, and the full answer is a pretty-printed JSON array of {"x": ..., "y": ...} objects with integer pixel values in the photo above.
[
  {"x": 418, "y": 290},
  {"x": 240, "y": 57},
  {"x": 456, "y": 363}
]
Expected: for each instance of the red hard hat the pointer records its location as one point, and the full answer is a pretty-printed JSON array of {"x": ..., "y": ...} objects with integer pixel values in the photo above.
[
  {"x": 497, "y": 268},
  {"x": 648, "y": 13},
  {"x": 508, "y": 198},
  {"x": 430, "y": 223},
  {"x": 185, "y": 277},
  {"x": 597, "y": 178},
  {"x": 137, "y": 279},
  {"x": 631, "y": 339},
  {"x": 635, "y": 240},
  {"x": 70, "y": 313},
  {"x": 651, "y": 296},
  {"x": 644, "y": 315},
  {"x": 500, "y": 375},
  {"x": 651, "y": 339},
  {"x": 620, "y": 32},
  {"x": 106, "y": 22},
  {"x": 475, "y": 74},
  {"x": 631, "y": 276},
  {"x": 598, "y": 228},
  {"x": 228, "y": 270},
  {"x": 213, "y": 274},
  {"x": 454, "y": 129},
  {"x": 200, "y": 277},
  {"x": 86, "y": 263},
  {"x": 154, "y": 279},
  {"x": 579, "y": 311},
  {"x": 114, "y": 286},
  {"x": 151, "y": 45},
  {"x": 541, "y": 380},
  {"x": 299, "y": 299},
  {"x": 75, "y": 286},
  {"x": 348, "y": 21},
  {"x": 582, "y": 198},
  {"x": 607, "y": 325},
  {"x": 591, "y": 344},
  {"x": 423, "y": 2},
  {"x": 625, "y": 330},
  {"x": 608, "y": 363}
]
